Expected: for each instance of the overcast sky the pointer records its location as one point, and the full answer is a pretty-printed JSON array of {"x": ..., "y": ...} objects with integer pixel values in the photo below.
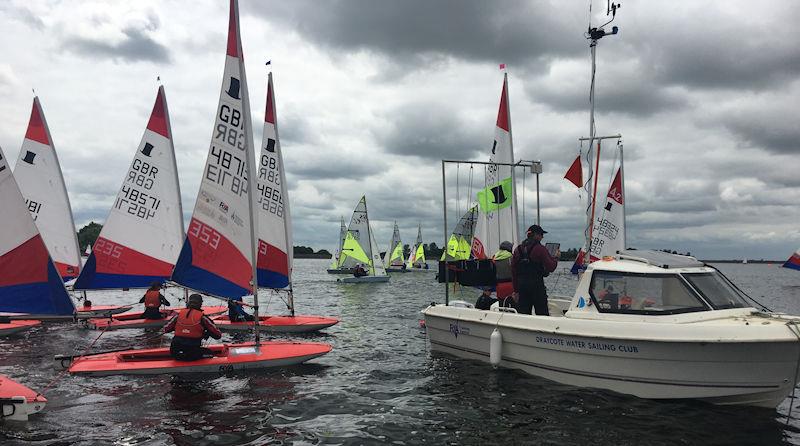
[{"x": 371, "y": 95}]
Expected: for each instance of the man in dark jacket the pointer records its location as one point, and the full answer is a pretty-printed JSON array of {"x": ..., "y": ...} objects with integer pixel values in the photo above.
[{"x": 530, "y": 264}]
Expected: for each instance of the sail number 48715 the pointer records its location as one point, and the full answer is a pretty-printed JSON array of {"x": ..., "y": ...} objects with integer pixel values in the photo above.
[{"x": 205, "y": 234}]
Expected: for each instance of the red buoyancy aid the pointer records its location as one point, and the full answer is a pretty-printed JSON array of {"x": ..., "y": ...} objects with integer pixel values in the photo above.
[
  {"x": 504, "y": 289},
  {"x": 189, "y": 324},
  {"x": 152, "y": 299}
]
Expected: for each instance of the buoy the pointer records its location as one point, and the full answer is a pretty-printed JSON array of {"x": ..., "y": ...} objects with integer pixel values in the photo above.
[{"x": 495, "y": 348}]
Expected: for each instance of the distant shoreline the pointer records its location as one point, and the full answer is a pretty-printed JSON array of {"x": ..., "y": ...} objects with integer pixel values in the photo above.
[{"x": 313, "y": 256}]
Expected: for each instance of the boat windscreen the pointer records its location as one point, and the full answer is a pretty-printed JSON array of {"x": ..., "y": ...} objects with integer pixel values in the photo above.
[
  {"x": 634, "y": 293},
  {"x": 716, "y": 290}
]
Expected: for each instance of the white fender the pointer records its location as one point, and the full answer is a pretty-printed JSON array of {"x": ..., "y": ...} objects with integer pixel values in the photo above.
[{"x": 495, "y": 348}]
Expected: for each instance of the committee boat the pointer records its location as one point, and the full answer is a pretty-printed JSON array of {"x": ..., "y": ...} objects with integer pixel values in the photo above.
[
  {"x": 643, "y": 323},
  {"x": 17, "y": 401}
]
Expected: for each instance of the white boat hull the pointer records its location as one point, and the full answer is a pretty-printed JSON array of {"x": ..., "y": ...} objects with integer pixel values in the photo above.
[
  {"x": 758, "y": 373},
  {"x": 19, "y": 409},
  {"x": 364, "y": 279}
]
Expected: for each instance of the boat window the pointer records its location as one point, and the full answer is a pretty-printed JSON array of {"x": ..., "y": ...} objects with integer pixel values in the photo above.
[
  {"x": 716, "y": 290},
  {"x": 615, "y": 292}
]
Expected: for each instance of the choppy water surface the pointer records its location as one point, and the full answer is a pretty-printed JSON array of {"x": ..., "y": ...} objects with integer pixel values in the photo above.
[{"x": 380, "y": 384}]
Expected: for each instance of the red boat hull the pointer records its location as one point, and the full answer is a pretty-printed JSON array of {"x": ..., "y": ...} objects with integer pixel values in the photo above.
[
  {"x": 227, "y": 358},
  {"x": 16, "y": 326},
  {"x": 101, "y": 310},
  {"x": 24, "y": 400},
  {"x": 135, "y": 320},
  {"x": 279, "y": 324}
]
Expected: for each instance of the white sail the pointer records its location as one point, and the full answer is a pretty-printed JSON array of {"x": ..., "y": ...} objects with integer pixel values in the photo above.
[
  {"x": 29, "y": 282},
  {"x": 359, "y": 245},
  {"x": 608, "y": 233},
  {"x": 39, "y": 176},
  {"x": 460, "y": 242},
  {"x": 497, "y": 220},
  {"x": 143, "y": 234},
  {"x": 217, "y": 255},
  {"x": 394, "y": 255},
  {"x": 274, "y": 219}
]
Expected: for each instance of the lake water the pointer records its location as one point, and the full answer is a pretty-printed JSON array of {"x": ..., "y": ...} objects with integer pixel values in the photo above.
[{"x": 380, "y": 384}]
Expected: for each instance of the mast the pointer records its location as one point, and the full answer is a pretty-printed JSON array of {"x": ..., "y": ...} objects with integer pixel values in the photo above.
[
  {"x": 178, "y": 183},
  {"x": 625, "y": 197},
  {"x": 594, "y": 35}
]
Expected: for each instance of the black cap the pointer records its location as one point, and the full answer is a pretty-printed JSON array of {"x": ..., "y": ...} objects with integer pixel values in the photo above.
[{"x": 536, "y": 229}]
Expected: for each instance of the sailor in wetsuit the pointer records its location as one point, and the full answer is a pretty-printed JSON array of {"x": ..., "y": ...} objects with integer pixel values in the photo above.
[
  {"x": 152, "y": 300},
  {"x": 237, "y": 314},
  {"x": 191, "y": 326}
]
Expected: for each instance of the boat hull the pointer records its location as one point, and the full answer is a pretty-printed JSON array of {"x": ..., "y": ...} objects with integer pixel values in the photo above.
[
  {"x": 364, "y": 279},
  {"x": 227, "y": 358},
  {"x": 101, "y": 310},
  {"x": 340, "y": 271},
  {"x": 16, "y": 326},
  {"x": 279, "y": 324},
  {"x": 135, "y": 320},
  {"x": 397, "y": 270},
  {"x": 17, "y": 401},
  {"x": 757, "y": 373}
]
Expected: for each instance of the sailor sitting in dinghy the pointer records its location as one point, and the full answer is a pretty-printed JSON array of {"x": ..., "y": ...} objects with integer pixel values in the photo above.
[
  {"x": 153, "y": 300},
  {"x": 191, "y": 326}
]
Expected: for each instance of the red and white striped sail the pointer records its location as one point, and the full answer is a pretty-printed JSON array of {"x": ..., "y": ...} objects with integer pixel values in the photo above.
[
  {"x": 29, "y": 282},
  {"x": 39, "y": 176},
  {"x": 497, "y": 222},
  {"x": 274, "y": 220},
  {"x": 143, "y": 234},
  {"x": 217, "y": 255}
]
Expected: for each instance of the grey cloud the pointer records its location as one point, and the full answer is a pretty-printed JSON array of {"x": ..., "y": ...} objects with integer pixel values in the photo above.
[
  {"x": 513, "y": 31},
  {"x": 328, "y": 167},
  {"x": 432, "y": 131},
  {"x": 138, "y": 46},
  {"x": 23, "y": 15}
]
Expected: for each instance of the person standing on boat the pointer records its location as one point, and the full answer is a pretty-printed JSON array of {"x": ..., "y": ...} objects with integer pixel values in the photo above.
[
  {"x": 530, "y": 264},
  {"x": 191, "y": 326},
  {"x": 153, "y": 300}
]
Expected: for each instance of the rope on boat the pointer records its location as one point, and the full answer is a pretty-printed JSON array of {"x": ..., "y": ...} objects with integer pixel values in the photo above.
[{"x": 792, "y": 326}]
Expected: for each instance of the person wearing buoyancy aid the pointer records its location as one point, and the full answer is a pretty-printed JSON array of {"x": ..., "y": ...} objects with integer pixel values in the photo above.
[
  {"x": 503, "y": 285},
  {"x": 191, "y": 326},
  {"x": 152, "y": 301},
  {"x": 530, "y": 264}
]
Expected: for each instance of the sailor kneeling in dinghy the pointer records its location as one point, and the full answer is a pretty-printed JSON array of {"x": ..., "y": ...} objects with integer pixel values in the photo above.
[
  {"x": 153, "y": 300},
  {"x": 191, "y": 326}
]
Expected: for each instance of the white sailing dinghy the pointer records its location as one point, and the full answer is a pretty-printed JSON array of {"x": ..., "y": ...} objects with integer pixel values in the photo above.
[
  {"x": 274, "y": 234},
  {"x": 38, "y": 174},
  {"x": 334, "y": 268},
  {"x": 219, "y": 254},
  {"x": 30, "y": 286},
  {"x": 459, "y": 245},
  {"x": 359, "y": 247},
  {"x": 394, "y": 259},
  {"x": 416, "y": 258},
  {"x": 497, "y": 219},
  {"x": 143, "y": 234}
]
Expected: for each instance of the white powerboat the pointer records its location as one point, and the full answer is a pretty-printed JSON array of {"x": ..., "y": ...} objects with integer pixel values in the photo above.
[{"x": 644, "y": 323}]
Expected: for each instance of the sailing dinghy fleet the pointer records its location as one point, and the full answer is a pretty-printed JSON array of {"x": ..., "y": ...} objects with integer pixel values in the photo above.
[{"x": 237, "y": 241}]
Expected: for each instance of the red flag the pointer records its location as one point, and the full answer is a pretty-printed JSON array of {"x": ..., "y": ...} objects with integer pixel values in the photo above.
[
  {"x": 575, "y": 173},
  {"x": 502, "y": 66}
]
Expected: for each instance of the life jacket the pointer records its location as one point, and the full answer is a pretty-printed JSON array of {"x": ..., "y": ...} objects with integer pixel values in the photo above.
[
  {"x": 504, "y": 289},
  {"x": 502, "y": 265},
  {"x": 152, "y": 299},
  {"x": 189, "y": 324}
]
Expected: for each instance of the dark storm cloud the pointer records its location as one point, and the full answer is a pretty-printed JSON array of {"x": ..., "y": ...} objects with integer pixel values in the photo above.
[
  {"x": 137, "y": 46},
  {"x": 776, "y": 134},
  {"x": 514, "y": 31},
  {"x": 431, "y": 130}
]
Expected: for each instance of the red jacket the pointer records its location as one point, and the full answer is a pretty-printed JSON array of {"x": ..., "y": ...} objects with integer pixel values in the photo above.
[{"x": 192, "y": 324}]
